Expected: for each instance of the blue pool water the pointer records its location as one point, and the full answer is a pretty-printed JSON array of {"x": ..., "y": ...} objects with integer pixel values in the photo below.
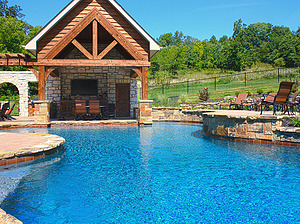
[{"x": 168, "y": 173}]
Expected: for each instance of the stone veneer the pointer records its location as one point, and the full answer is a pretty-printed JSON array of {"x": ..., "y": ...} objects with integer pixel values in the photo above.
[
  {"x": 60, "y": 87},
  {"x": 145, "y": 112},
  {"x": 20, "y": 79},
  {"x": 176, "y": 114},
  {"x": 258, "y": 129},
  {"x": 42, "y": 112}
]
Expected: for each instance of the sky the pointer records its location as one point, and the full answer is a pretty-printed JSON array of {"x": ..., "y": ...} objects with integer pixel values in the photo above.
[{"x": 197, "y": 18}]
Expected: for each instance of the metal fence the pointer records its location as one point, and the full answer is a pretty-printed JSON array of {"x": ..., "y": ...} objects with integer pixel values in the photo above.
[{"x": 227, "y": 84}]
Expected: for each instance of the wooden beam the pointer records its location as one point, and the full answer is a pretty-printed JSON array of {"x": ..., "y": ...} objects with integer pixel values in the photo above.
[
  {"x": 144, "y": 83},
  {"x": 47, "y": 73},
  {"x": 95, "y": 39},
  {"x": 82, "y": 49},
  {"x": 91, "y": 62},
  {"x": 41, "y": 85},
  {"x": 138, "y": 73},
  {"x": 35, "y": 72},
  {"x": 71, "y": 35},
  {"x": 107, "y": 49},
  {"x": 132, "y": 50}
]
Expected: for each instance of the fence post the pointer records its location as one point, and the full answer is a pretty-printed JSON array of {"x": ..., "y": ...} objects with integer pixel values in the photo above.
[
  {"x": 245, "y": 79},
  {"x": 215, "y": 83},
  {"x": 187, "y": 87},
  {"x": 278, "y": 74}
]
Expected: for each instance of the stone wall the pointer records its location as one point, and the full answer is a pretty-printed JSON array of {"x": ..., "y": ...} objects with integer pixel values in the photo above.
[
  {"x": 176, "y": 114},
  {"x": 242, "y": 127},
  {"x": 21, "y": 80},
  {"x": 257, "y": 129},
  {"x": 60, "y": 88}
]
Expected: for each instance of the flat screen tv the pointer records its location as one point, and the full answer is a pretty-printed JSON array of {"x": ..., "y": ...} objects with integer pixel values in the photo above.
[{"x": 88, "y": 87}]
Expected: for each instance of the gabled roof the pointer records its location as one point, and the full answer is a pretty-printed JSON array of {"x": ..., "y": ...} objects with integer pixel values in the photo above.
[{"x": 32, "y": 44}]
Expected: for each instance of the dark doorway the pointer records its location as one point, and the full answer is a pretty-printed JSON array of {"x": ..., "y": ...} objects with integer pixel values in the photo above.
[{"x": 123, "y": 99}]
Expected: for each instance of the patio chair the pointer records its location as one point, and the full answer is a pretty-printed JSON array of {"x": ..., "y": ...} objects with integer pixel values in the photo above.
[
  {"x": 5, "y": 107},
  {"x": 281, "y": 99},
  {"x": 111, "y": 110},
  {"x": 293, "y": 102},
  {"x": 94, "y": 106},
  {"x": 8, "y": 112},
  {"x": 267, "y": 102},
  {"x": 80, "y": 109},
  {"x": 240, "y": 101}
]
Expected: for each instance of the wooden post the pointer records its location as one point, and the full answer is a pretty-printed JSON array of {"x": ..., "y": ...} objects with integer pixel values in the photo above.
[
  {"x": 95, "y": 39},
  {"x": 42, "y": 83},
  {"x": 144, "y": 83}
]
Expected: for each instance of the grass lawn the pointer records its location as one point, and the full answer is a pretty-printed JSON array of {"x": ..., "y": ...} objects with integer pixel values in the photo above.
[{"x": 226, "y": 86}]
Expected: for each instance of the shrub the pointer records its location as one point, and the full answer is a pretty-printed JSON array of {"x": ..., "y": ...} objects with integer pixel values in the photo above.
[
  {"x": 182, "y": 98},
  {"x": 250, "y": 93},
  {"x": 204, "y": 94},
  {"x": 259, "y": 91},
  {"x": 236, "y": 93},
  {"x": 163, "y": 100},
  {"x": 270, "y": 91}
]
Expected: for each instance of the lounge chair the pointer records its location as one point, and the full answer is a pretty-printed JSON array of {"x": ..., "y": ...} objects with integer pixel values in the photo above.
[
  {"x": 240, "y": 101},
  {"x": 8, "y": 112},
  {"x": 94, "y": 111},
  {"x": 80, "y": 109},
  {"x": 5, "y": 107},
  {"x": 281, "y": 99}
]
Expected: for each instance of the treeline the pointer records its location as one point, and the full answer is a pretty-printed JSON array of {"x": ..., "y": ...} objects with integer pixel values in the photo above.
[
  {"x": 259, "y": 42},
  {"x": 14, "y": 32}
]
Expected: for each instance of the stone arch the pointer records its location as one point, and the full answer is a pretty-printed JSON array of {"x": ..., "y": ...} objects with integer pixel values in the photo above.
[{"x": 21, "y": 80}]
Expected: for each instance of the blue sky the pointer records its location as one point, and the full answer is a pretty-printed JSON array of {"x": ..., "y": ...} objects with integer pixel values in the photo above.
[{"x": 197, "y": 18}]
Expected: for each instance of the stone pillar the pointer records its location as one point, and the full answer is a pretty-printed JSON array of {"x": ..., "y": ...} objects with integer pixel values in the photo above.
[
  {"x": 42, "y": 112},
  {"x": 145, "y": 112}
]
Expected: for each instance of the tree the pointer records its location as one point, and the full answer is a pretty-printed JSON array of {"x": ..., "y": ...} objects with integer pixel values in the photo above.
[
  {"x": 12, "y": 11},
  {"x": 166, "y": 40}
]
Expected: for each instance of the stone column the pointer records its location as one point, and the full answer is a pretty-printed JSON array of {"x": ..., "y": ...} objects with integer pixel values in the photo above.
[
  {"x": 42, "y": 112},
  {"x": 145, "y": 112}
]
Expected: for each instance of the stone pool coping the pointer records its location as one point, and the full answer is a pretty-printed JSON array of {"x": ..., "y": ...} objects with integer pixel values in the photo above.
[
  {"x": 8, "y": 219},
  {"x": 31, "y": 124},
  {"x": 23, "y": 150}
]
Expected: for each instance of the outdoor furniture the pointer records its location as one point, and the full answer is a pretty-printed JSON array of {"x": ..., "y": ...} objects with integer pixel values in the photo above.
[
  {"x": 80, "y": 109},
  {"x": 8, "y": 112},
  {"x": 281, "y": 99},
  {"x": 240, "y": 101},
  {"x": 67, "y": 109},
  {"x": 5, "y": 107},
  {"x": 94, "y": 109},
  {"x": 269, "y": 100},
  {"x": 293, "y": 102},
  {"x": 225, "y": 104},
  {"x": 111, "y": 110}
]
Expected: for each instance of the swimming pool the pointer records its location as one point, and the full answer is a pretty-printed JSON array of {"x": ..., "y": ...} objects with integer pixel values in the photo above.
[{"x": 168, "y": 173}]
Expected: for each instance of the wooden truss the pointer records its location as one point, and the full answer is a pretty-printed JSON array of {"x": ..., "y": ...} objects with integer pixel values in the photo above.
[{"x": 49, "y": 63}]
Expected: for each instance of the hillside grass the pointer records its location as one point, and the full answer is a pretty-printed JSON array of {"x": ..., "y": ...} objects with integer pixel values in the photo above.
[{"x": 265, "y": 81}]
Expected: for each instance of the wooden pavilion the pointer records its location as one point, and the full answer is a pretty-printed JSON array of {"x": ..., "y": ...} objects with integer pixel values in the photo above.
[{"x": 90, "y": 40}]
